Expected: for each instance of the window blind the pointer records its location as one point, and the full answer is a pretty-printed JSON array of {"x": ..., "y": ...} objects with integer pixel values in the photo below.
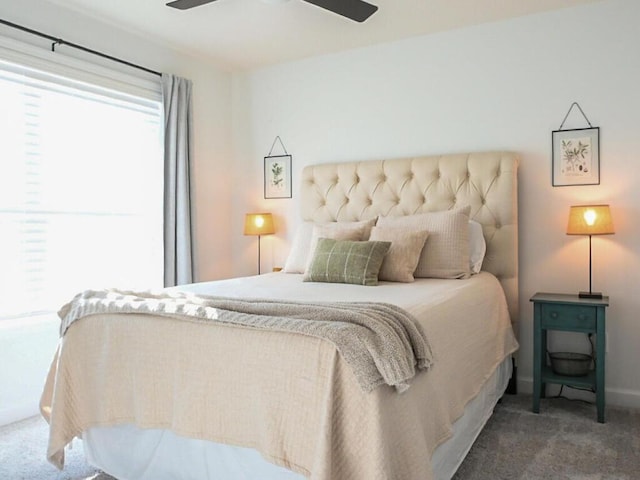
[{"x": 81, "y": 180}]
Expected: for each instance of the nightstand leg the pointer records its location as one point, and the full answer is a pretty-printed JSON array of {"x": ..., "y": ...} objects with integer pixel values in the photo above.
[
  {"x": 601, "y": 341},
  {"x": 537, "y": 358},
  {"x": 543, "y": 361}
]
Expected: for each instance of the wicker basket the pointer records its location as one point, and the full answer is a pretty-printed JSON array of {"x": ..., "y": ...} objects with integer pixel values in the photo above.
[{"x": 569, "y": 363}]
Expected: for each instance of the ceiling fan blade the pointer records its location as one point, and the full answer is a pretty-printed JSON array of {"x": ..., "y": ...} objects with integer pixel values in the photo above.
[
  {"x": 186, "y": 4},
  {"x": 356, "y": 10}
]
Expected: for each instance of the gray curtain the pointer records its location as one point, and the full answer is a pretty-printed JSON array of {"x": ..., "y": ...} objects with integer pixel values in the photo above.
[{"x": 178, "y": 256}]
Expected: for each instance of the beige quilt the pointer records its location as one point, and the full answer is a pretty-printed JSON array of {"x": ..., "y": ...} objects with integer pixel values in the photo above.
[{"x": 290, "y": 396}]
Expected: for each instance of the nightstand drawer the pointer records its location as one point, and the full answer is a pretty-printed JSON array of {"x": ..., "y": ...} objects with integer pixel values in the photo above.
[{"x": 568, "y": 316}]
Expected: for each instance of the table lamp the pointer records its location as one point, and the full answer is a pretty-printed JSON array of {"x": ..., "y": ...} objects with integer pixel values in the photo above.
[
  {"x": 590, "y": 220},
  {"x": 258, "y": 224}
]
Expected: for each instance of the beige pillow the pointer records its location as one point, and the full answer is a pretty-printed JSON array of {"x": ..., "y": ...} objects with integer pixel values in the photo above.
[
  {"x": 403, "y": 255},
  {"x": 446, "y": 252}
]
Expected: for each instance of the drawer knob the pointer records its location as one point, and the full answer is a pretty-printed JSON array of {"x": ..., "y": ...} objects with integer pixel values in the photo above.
[
  {"x": 553, "y": 314},
  {"x": 582, "y": 316}
]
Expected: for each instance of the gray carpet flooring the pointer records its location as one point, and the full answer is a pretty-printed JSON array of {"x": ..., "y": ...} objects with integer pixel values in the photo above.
[
  {"x": 563, "y": 442},
  {"x": 23, "y": 447}
]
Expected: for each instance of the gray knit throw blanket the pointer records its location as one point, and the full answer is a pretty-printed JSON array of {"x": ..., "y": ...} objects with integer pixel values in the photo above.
[{"x": 382, "y": 343}]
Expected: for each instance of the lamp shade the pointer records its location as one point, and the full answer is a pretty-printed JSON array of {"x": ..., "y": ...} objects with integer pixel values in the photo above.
[
  {"x": 590, "y": 220},
  {"x": 258, "y": 224}
]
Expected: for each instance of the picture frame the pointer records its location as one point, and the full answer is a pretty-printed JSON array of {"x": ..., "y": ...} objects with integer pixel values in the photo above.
[
  {"x": 277, "y": 176},
  {"x": 575, "y": 157}
]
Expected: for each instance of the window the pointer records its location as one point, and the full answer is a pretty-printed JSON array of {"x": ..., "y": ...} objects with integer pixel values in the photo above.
[{"x": 81, "y": 188}]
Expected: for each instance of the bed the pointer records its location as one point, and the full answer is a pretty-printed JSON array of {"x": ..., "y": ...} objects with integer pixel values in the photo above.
[{"x": 155, "y": 398}]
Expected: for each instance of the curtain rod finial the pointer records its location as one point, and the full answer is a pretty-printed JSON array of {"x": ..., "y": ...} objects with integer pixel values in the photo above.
[{"x": 59, "y": 41}]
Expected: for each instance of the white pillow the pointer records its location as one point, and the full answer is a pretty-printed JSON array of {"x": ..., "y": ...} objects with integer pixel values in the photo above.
[
  {"x": 446, "y": 253},
  {"x": 477, "y": 246},
  {"x": 297, "y": 259},
  {"x": 307, "y": 234}
]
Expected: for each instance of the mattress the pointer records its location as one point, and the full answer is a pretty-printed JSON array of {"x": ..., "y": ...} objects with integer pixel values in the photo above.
[{"x": 378, "y": 435}]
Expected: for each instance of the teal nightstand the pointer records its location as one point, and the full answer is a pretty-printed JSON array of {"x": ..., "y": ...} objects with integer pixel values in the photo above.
[{"x": 555, "y": 311}]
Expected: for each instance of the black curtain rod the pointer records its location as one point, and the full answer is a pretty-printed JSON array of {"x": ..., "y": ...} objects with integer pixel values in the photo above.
[{"x": 60, "y": 41}]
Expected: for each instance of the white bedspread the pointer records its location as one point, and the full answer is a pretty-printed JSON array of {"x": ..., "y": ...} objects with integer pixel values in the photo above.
[{"x": 298, "y": 404}]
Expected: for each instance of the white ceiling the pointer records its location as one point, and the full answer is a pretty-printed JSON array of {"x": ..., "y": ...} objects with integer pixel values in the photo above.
[{"x": 247, "y": 34}]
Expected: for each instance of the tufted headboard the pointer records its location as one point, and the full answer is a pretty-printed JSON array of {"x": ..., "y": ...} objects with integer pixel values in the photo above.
[{"x": 486, "y": 181}]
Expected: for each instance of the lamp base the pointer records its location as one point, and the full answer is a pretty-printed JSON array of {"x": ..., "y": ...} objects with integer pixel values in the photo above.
[{"x": 597, "y": 295}]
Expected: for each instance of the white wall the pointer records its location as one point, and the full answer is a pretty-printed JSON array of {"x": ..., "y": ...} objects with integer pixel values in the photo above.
[
  {"x": 25, "y": 352},
  {"x": 506, "y": 86}
]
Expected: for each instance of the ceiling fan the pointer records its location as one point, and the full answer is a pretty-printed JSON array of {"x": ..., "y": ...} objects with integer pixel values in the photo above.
[{"x": 356, "y": 10}]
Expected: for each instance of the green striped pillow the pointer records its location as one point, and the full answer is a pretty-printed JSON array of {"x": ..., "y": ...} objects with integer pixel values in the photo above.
[{"x": 346, "y": 261}]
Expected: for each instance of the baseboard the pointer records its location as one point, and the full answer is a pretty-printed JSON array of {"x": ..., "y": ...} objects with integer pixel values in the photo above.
[{"x": 618, "y": 397}]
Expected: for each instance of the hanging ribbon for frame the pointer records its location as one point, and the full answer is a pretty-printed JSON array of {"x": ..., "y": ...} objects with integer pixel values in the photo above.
[
  {"x": 575, "y": 154},
  {"x": 277, "y": 173},
  {"x": 574, "y": 104},
  {"x": 277, "y": 139}
]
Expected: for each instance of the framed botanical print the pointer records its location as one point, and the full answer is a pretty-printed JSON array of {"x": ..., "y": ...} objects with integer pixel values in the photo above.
[
  {"x": 277, "y": 176},
  {"x": 576, "y": 157}
]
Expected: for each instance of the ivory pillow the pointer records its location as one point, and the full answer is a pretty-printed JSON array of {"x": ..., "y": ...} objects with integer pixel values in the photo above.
[
  {"x": 446, "y": 252},
  {"x": 307, "y": 236},
  {"x": 346, "y": 261},
  {"x": 402, "y": 258},
  {"x": 297, "y": 259},
  {"x": 477, "y": 246}
]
